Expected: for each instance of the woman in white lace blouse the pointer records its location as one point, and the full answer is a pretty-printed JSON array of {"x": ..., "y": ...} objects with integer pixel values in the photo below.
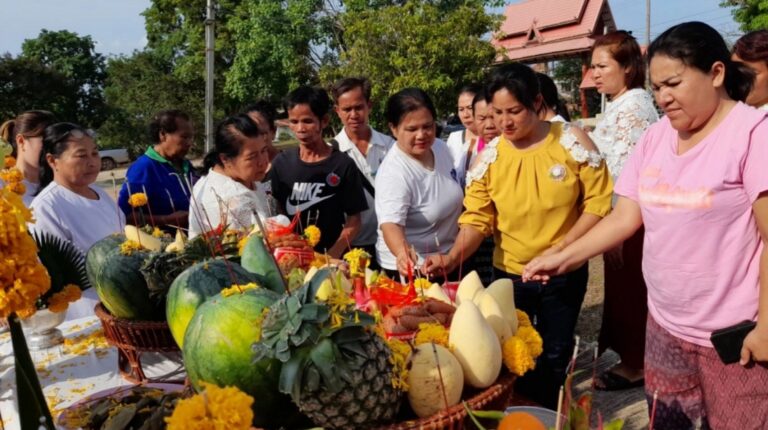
[
  {"x": 230, "y": 194},
  {"x": 619, "y": 72}
]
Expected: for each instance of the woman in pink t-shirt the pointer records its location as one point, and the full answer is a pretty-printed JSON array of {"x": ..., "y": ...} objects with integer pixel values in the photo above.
[{"x": 698, "y": 184}]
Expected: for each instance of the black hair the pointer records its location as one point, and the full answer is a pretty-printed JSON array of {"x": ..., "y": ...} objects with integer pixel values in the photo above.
[
  {"x": 472, "y": 88},
  {"x": 698, "y": 45},
  {"x": 348, "y": 84},
  {"x": 165, "y": 121},
  {"x": 551, "y": 97},
  {"x": 406, "y": 101},
  {"x": 228, "y": 140},
  {"x": 517, "y": 78},
  {"x": 316, "y": 98},
  {"x": 480, "y": 96},
  {"x": 31, "y": 123},
  {"x": 266, "y": 109},
  {"x": 55, "y": 142}
]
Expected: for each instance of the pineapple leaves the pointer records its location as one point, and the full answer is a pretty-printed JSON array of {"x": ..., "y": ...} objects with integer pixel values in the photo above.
[
  {"x": 324, "y": 357},
  {"x": 291, "y": 374}
]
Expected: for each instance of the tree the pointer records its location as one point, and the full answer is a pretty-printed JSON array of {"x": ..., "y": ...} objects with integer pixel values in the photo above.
[
  {"x": 750, "y": 14},
  {"x": 75, "y": 58},
  {"x": 417, "y": 44},
  {"x": 136, "y": 88},
  {"x": 26, "y": 85}
]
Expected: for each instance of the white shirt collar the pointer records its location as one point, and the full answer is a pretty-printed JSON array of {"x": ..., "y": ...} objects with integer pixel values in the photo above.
[{"x": 345, "y": 143}]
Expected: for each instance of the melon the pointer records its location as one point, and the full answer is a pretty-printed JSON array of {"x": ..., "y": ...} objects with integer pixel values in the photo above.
[
  {"x": 257, "y": 259},
  {"x": 429, "y": 392},
  {"x": 475, "y": 345},
  {"x": 468, "y": 287},
  {"x": 493, "y": 315},
  {"x": 503, "y": 291},
  {"x": 218, "y": 350},
  {"x": 195, "y": 284},
  {"x": 436, "y": 292},
  {"x": 120, "y": 285}
]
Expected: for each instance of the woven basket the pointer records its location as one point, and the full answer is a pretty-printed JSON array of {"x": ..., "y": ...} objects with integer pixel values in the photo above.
[
  {"x": 497, "y": 396},
  {"x": 132, "y": 338}
]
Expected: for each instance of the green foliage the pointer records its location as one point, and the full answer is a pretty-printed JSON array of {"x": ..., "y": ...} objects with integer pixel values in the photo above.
[
  {"x": 418, "y": 44},
  {"x": 28, "y": 85},
  {"x": 750, "y": 14},
  {"x": 75, "y": 58}
]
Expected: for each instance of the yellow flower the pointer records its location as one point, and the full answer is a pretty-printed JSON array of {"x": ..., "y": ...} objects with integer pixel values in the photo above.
[
  {"x": 17, "y": 187},
  {"x": 401, "y": 351},
  {"x": 129, "y": 246},
  {"x": 238, "y": 289},
  {"x": 137, "y": 200},
  {"x": 516, "y": 356},
  {"x": 11, "y": 175},
  {"x": 156, "y": 232},
  {"x": 522, "y": 319},
  {"x": 60, "y": 301},
  {"x": 532, "y": 340},
  {"x": 421, "y": 284},
  {"x": 358, "y": 261},
  {"x": 9, "y": 161},
  {"x": 312, "y": 234},
  {"x": 431, "y": 333},
  {"x": 215, "y": 408}
]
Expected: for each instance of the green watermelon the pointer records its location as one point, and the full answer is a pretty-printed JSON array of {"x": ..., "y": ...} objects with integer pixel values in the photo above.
[
  {"x": 94, "y": 260},
  {"x": 195, "y": 284},
  {"x": 122, "y": 288},
  {"x": 218, "y": 350},
  {"x": 257, "y": 259}
]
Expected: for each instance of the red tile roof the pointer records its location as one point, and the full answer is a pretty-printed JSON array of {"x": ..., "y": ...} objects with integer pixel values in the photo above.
[{"x": 540, "y": 30}]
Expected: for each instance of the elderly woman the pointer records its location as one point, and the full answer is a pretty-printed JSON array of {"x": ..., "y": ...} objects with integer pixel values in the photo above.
[
  {"x": 25, "y": 134},
  {"x": 231, "y": 193},
  {"x": 536, "y": 189},
  {"x": 752, "y": 50},
  {"x": 698, "y": 184},
  {"x": 69, "y": 205},
  {"x": 619, "y": 72},
  {"x": 418, "y": 196},
  {"x": 162, "y": 172}
]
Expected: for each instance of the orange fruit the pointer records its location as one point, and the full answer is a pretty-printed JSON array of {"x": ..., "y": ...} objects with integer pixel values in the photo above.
[{"x": 521, "y": 421}]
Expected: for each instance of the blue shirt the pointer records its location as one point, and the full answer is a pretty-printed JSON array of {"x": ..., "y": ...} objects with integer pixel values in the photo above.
[{"x": 161, "y": 181}]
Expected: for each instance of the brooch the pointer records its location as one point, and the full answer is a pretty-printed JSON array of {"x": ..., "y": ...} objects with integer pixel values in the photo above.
[{"x": 557, "y": 172}]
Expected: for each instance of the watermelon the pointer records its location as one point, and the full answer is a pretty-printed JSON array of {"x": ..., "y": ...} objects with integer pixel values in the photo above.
[
  {"x": 218, "y": 350},
  {"x": 195, "y": 284},
  {"x": 121, "y": 287},
  {"x": 94, "y": 260},
  {"x": 257, "y": 259}
]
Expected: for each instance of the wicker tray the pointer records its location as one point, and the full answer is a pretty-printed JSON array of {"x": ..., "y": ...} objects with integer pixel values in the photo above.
[
  {"x": 132, "y": 338},
  {"x": 497, "y": 396}
]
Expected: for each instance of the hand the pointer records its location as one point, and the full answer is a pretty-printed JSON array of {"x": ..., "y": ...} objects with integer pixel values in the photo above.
[
  {"x": 438, "y": 264},
  {"x": 405, "y": 259},
  {"x": 544, "y": 267},
  {"x": 614, "y": 258},
  {"x": 755, "y": 346},
  {"x": 553, "y": 249},
  {"x": 178, "y": 218}
]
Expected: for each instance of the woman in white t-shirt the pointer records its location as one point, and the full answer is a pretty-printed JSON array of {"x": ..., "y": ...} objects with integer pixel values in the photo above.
[
  {"x": 69, "y": 205},
  {"x": 462, "y": 144},
  {"x": 25, "y": 134},
  {"x": 230, "y": 194},
  {"x": 418, "y": 196}
]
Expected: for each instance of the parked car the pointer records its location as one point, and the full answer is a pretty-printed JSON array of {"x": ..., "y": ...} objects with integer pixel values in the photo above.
[{"x": 111, "y": 158}]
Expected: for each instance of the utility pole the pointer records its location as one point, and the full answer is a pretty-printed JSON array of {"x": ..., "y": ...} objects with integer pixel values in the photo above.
[{"x": 210, "y": 40}]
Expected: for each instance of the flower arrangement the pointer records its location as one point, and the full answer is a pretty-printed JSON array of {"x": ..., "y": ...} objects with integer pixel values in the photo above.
[
  {"x": 312, "y": 234},
  {"x": 520, "y": 351},
  {"x": 137, "y": 200},
  {"x": 215, "y": 408}
]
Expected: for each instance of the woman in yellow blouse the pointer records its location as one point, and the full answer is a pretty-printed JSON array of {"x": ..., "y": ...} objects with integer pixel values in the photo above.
[{"x": 538, "y": 188}]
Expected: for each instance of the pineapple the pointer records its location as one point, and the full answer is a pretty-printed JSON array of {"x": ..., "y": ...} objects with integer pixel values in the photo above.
[{"x": 335, "y": 368}]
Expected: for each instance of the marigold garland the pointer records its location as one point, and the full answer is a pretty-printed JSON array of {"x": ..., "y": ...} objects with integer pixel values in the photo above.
[
  {"x": 312, "y": 234},
  {"x": 137, "y": 200},
  {"x": 432, "y": 333},
  {"x": 532, "y": 339},
  {"x": 522, "y": 319},
  {"x": 521, "y": 350},
  {"x": 9, "y": 161},
  {"x": 215, "y": 408},
  {"x": 401, "y": 351},
  {"x": 60, "y": 301}
]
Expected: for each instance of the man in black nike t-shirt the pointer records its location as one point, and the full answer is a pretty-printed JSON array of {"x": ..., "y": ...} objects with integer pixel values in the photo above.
[{"x": 315, "y": 179}]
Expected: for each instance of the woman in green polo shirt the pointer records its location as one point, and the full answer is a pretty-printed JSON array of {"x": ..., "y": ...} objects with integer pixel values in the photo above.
[{"x": 162, "y": 173}]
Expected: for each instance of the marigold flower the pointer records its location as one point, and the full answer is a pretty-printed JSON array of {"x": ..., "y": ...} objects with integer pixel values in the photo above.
[
  {"x": 129, "y": 247},
  {"x": 312, "y": 234},
  {"x": 60, "y": 301},
  {"x": 431, "y": 333},
  {"x": 516, "y": 356},
  {"x": 156, "y": 232},
  {"x": 401, "y": 351},
  {"x": 358, "y": 261},
  {"x": 138, "y": 200},
  {"x": 532, "y": 340},
  {"x": 17, "y": 187},
  {"x": 522, "y": 319},
  {"x": 215, "y": 408},
  {"x": 11, "y": 175},
  {"x": 9, "y": 161}
]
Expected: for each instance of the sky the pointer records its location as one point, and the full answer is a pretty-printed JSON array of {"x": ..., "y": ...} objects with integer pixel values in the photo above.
[{"x": 117, "y": 26}]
